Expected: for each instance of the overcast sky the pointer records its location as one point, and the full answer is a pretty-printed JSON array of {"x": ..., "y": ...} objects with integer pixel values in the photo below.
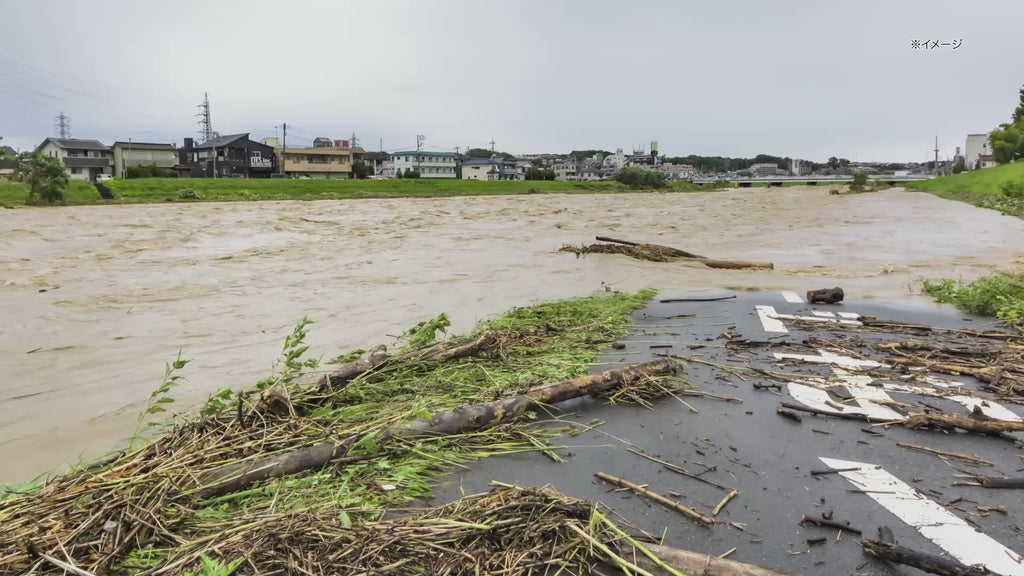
[{"x": 809, "y": 79}]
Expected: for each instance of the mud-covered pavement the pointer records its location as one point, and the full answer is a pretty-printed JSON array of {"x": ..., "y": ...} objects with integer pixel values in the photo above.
[
  {"x": 94, "y": 300},
  {"x": 783, "y": 469}
]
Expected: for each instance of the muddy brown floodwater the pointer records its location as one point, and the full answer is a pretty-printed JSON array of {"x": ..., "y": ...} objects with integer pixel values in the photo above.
[{"x": 126, "y": 287}]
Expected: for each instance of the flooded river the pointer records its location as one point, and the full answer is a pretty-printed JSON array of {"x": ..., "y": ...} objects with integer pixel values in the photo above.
[{"x": 94, "y": 300}]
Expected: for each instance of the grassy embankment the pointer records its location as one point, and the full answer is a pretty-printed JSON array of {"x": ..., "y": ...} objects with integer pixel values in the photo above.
[
  {"x": 150, "y": 499},
  {"x": 983, "y": 188},
  {"x": 1000, "y": 295},
  {"x": 78, "y": 192},
  {"x": 153, "y": 190}
]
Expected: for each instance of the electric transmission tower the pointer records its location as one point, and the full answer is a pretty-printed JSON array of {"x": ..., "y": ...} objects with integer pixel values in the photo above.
[
  {"x": 205, "y": 131},
  {"x": 62, "y": 125}
]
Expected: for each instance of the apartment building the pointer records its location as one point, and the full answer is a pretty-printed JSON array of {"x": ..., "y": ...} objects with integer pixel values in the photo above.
[
  {"x": 428, "y": 164},
  {"x": 320, "y": 161},
  {"x": 130, "y": 153}
]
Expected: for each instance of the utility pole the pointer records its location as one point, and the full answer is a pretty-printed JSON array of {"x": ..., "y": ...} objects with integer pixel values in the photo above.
[
  {"x": 284, "y": 144},
  {"x": 205, "y": 124},
  {"x": 456, "y": 150},
  {"x": 380, "y": 145},
  {"x": 419, "y": 141},
  {"x": 492, "y": 144},
  {"x": 62, "y": 124},
  {"x": 936, "y": 155}
]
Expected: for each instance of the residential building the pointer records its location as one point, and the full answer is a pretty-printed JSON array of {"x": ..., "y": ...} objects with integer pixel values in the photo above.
[
  {"x": 83, "y": 159},
  {"x": 986, "y": 161},
  {"x": 6, "y": 166},
  {"x": 380, "y": 164},
  {"x": 231, "y": 156},
  {"x": 677, "y": 171},
  {"x": 321, "y": 162},
  {"x": 977, "y": 146},
  {"x": 566, "y": 172},
  {"x": 428, "y": 164},
  {"x": 590, "y": 174},
  {"x": 142, "y": 154},
  {"x": 763, "y": 170},
  {"x": 491, "y": 169},
  {"x": 614, "y": 162}
]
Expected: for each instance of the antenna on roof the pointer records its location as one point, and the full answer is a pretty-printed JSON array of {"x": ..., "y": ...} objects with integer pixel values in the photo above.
[{"x": 62, "y": 124}]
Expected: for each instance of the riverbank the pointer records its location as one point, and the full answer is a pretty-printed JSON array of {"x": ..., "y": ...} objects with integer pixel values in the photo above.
[
  {"x": 162, "y": 190},
  {"x": 981, "y": 188}
]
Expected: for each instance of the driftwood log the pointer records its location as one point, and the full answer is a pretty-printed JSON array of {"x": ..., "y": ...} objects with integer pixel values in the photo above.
[
  {"x": 1008, "y": 483},
  {"x": 692, "y": 563},
  {"x": 825, "y": 296},
  {"x": 666, "y": 249},
  {"x": 953, "y": 421},
  {"x": 928, "y": 562},
  {"x": 232, "y": 477},
  {"x": 378, "y": 356}
]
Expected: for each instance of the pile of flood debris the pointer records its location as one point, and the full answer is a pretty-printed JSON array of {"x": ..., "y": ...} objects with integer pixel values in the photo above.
[
  {"x": 304, "y": 476},
  {"x": 657, "y": 253}
]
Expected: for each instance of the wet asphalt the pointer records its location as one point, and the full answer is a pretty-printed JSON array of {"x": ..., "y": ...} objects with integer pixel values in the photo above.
[{"x": 767, "y": 458}]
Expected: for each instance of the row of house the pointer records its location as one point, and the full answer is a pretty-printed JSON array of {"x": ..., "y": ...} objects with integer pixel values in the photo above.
[{"x": 238, "y": 156}]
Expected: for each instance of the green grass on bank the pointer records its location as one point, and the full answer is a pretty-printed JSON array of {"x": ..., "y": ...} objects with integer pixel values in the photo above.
[
  {"x": 78, "y": 192},
  {"x": 1000, "y": 295},
  {"x": 979, "y": 187},
  {"x": 153, "y": 190}
]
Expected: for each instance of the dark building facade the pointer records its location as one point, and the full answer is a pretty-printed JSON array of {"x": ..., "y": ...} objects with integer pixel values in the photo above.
[{"x": 231, "y": 156}]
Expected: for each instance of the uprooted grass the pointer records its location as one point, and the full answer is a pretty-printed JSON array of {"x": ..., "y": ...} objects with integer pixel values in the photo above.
[{"x": 142, "y": 511}]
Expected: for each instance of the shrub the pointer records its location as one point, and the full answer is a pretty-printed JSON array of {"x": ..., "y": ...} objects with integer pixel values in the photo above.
[
  {"x": 1000, "y": 295},
  {"x": 640, "y": 178},
  {"x": 860, "y": 181},
  {"x": 187, "y": 194},
  {"x": 1013, "y": 189}
]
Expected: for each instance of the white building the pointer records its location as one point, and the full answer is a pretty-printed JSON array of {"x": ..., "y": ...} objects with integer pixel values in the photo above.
[
  {"x": 491, "y": 169},
  {"x": 82, "y": 159},
  {"x": 614, "y": 162},
  {"x": 428, "y": 164},
  {"x": 677, "y": 171},
  {"x": 977, "y": 146},
  {"x": 764, "y": 170}
]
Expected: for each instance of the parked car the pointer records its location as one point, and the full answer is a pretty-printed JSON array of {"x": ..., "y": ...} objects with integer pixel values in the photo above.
[{"x": 104, "y": 177}]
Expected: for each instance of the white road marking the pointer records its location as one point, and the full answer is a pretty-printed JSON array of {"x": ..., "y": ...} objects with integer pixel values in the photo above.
[
  {"x": 956, "y": 537},
  {"x": 817, "y": 398},
  {"x": 823, "y": 313},
  {"x": 866, "y": 394},
  {"x": 793, "y": 297},
  {"x": 849, "y": 315},
  {"x": 769, "y": 319}
]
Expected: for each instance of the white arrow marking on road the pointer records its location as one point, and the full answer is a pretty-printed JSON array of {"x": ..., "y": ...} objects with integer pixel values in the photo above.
[
  {"x": 817, "y": 398},
  {"x": 956, "y": 537},
  {"x": 865, "y": 394}
]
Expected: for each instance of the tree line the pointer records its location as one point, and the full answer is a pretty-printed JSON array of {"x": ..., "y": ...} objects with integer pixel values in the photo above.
[{"x": 1008, "y": 139}]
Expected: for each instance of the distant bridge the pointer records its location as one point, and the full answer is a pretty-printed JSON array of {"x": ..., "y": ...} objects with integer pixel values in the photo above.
[{"x": 812, "y": 180}]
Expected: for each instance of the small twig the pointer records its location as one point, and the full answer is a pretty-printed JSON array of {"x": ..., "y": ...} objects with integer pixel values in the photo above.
[
  {"x": 721, "y": 505},
  {"x": 965, "y": 457},
  {"x": 690, "y": 512},
  {"x": 828, "y": 524}
]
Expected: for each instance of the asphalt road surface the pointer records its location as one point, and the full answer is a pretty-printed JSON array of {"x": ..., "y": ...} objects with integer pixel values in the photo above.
[{"x": 768, "y": 458}]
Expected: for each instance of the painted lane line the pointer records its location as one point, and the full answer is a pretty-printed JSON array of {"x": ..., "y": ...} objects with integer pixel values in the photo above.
[
  {"x": 849, "y": 315},
  {"x": 769, "y": 320},
  {"x": 817, "y": 319},
  {"x": 793, "y": 297},
  {"x": 959, "y": 539},
  {"x": 823, "y": 313}
]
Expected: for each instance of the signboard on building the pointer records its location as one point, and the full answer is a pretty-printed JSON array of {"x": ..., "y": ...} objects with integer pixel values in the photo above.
[{"x": 256, "y": 160}]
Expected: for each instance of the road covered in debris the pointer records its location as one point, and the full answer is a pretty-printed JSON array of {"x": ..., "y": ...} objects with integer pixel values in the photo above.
[{"x": 807, "y": 428}]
